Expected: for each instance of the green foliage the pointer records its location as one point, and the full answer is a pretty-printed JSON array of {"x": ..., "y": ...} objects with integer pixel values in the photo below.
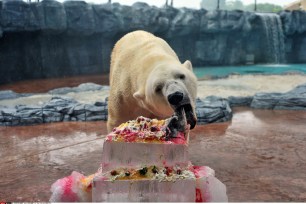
[
  {"x": 238, "y": 5},
  {"x": 266, "y": 7},
  {"x": 234, "y": 4}
]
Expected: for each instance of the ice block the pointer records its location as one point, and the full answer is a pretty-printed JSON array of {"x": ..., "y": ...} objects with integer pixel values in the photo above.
[
  {"x": 166, "y": 185},
  {"x": 144, "y": 191},
  {"x": 143, "y": 142}
]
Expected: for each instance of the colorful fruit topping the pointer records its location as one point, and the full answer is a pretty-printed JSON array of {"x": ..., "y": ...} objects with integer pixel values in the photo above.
[{"x": 143, "y": 171}]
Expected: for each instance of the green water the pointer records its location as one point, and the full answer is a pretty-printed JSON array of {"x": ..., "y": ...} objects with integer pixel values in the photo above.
[{"x": 224, "y": 71}]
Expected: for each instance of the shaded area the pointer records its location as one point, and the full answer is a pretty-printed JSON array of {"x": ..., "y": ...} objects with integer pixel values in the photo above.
[
  {"x": 259, "y": 155},
  {"x": 44, "y": 85}
]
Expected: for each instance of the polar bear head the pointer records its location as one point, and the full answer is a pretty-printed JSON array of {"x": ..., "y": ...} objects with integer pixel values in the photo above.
[{"x": 170, "y": 86}]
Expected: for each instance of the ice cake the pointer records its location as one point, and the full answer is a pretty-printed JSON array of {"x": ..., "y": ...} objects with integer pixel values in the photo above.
[
  {"x": 144, "y": 141},
  {"x": 144, "y": 160}
]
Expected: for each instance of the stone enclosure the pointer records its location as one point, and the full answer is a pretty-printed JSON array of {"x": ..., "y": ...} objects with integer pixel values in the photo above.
[
  {"x": 209, "y": 110},
  {"x": 52, "y": 39}
]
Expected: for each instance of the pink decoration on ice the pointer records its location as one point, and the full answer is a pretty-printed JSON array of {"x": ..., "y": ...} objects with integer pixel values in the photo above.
[
  {"x": 70, "y": 189},
  {"x": 200, "y": 171},
  {"x": 199, "y": 198}
]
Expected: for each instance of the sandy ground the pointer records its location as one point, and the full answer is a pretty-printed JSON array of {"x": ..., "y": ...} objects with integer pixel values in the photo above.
[
  {"x": 235, "y": 85},
  {"x": 248, "y": 85}
]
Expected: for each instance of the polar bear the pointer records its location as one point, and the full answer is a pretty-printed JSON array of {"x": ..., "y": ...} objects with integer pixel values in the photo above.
[{"x": 147, "y": 78}]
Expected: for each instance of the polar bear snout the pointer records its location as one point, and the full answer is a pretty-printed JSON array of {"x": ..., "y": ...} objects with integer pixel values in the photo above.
[
  {"x": 175, "y": 98},
  {"x": 178, "y": 97},
  {"x": 176, "y": 94}
]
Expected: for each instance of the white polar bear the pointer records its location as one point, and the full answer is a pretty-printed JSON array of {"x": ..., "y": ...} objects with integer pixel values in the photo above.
[{"x": 147, "y": 78}]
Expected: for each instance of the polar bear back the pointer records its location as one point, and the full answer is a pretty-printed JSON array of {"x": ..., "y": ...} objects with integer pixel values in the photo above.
[{"x": 134, "y": 55}]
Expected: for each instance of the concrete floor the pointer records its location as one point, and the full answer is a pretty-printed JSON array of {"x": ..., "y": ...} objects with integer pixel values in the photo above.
[{"x": 260, "y": 155}]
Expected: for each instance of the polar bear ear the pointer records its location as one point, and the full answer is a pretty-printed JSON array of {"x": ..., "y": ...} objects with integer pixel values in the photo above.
[
  {"x": 138, "y": 95},
  {"x": 188, "y": 65}
]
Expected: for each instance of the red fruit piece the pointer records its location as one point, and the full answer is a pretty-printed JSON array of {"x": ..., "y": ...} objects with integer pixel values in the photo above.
[
  {"x": 114, "y": 172},
  {"x": 153, "y": 129},
  {"x": 167, "y": 171}
]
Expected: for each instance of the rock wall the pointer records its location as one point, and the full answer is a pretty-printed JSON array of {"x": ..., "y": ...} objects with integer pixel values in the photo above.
[
  {"x": 294, "y": 24},
  {"x": 52, "y": 39}
]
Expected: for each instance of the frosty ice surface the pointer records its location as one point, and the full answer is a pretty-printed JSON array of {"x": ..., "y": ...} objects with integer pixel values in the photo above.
[{"x": 116, "y": 154}]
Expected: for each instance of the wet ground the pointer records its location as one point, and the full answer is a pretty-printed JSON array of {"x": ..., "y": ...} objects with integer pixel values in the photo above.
[{"x": 260, "y": 155}]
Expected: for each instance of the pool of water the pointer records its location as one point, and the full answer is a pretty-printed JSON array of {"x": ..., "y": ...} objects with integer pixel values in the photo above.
[{"x": 224, "y": 71}]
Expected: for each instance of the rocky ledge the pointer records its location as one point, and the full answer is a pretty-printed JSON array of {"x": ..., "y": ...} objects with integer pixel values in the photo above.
[
  {"x": 61, "y": 108},
  {"x": 291, "y": 100},
  {"x": 209, "y": 110}
]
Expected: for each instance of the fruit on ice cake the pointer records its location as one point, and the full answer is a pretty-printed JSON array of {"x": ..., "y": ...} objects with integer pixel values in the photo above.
[
  {"x": 164, "y": 173},
  {"x": 146, "y": 130},
  {"x": 148, "y": 142}
]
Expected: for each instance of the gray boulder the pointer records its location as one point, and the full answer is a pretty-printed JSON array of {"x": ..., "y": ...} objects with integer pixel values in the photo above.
[
  {"x": 90, "y": 87},
  {"x": 94, "y": 112},
  {"x": 106, "y": 22},
  {"x": 29, "y": 115},
  {"x": 143, "y": 17},
  {"x": 8, "y": 94},
  {"x": 300, "y": 52},
  {"x": 19, "y": 16},
  {"x": 51, "y": 115},
  {"x": 8, "y": 116},
  {"x": 56, "y": 110},
  {"x": 8, "y": 111},
  {"x": 240, "y": 101},
  {"x": 211, "y": 50},
  {"x": 213, "y": 109},
  {"x": 294, "y": 22},
  {"x": 226, "y": 21},
  {"x": 292, "y": 100},
  {"x": 266, "y": 100},
  {"x": 81, "y": 88},
  {"x": 80, "y": 18},
  {"x": 1, "y": 30},
  {"x": 52, "y": 17},
  {"x": 186, "y": 22}
]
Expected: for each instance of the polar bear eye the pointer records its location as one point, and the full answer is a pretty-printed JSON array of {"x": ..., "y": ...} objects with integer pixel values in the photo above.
[
  {"x": 181, "y": 76},
  {"x": 158, "y": 88}
]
